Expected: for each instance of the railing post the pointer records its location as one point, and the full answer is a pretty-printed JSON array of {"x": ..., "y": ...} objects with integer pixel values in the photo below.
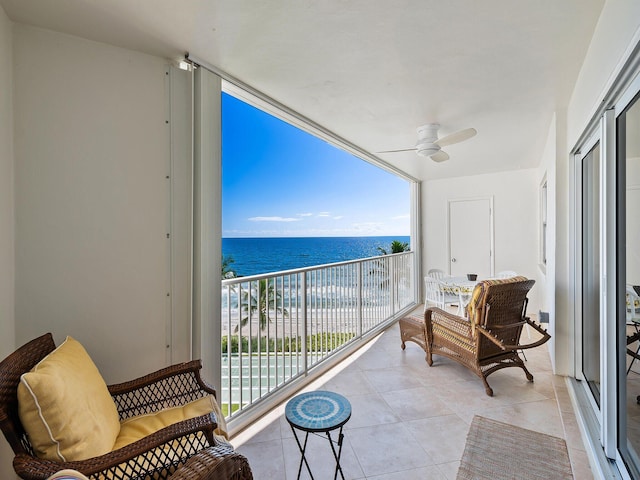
[
  {"x": 392, "y": 284},
  {"x": 240, "y": 360},
  {"x": 304, "y": 323},
  {"x": 360, "y": 303}
]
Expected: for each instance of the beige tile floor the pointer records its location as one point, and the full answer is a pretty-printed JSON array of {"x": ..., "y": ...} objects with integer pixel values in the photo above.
[{"x": 410, "y": 420}]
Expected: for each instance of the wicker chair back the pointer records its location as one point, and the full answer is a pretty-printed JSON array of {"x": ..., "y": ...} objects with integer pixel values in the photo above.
[
  {"x": 505, "y": 307},
  {"x": 11, "y": 369}
]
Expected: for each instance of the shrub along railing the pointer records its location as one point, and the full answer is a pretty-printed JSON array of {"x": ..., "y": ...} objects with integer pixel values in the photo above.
[{"x": 277, "y": 327}]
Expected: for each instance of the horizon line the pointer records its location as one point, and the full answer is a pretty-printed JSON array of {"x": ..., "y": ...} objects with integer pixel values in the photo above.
[{"x": 317, "y": 236}]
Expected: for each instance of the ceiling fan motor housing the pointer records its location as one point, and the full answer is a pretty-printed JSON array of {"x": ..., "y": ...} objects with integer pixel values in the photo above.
[
  {"x": 427, "y": 149},
  {"x": 427, "y": 135},
  {"x": 428, "y": 132}
]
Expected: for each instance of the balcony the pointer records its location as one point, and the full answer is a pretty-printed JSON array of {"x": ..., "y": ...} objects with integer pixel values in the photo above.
[
  {"x": 410, "y": 420},
  {"x": 281, "y": 329},
  {"x": 334, "y": 327}
]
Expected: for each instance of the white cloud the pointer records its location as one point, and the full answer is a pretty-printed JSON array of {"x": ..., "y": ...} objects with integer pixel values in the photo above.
[
  {"x": 305, "y": 214},
  {"x": 273, "y": 219},
  {"x": 338, "y": 217},
  {"x": 401, "y": 217},
  {"x": 324, "y": 214},
  {"x": 372, "y": 228}
]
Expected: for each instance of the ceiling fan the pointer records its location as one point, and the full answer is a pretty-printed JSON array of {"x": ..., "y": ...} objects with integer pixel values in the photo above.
[{"x": 429, "y": 145}]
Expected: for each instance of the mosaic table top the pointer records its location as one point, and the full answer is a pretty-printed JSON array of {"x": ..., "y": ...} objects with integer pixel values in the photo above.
[{"x": 318, "y": 411}]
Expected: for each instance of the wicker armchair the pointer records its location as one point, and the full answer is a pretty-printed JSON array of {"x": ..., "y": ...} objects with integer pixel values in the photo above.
[
  {"x": 156, "y": 456},
  {"x": 488, "y": 339},
  {"x": 215, "y": 463}
]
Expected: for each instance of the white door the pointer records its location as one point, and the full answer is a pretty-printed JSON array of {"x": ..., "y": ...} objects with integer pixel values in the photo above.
[{"x": 471, "y": 237}]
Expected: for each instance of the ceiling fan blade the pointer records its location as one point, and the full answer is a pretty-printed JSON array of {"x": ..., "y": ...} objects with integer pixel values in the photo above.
[
  {"x": 401, "y": 150},
  {"x": 456, "y": 137},
  {"x": 440, "y": 156}
]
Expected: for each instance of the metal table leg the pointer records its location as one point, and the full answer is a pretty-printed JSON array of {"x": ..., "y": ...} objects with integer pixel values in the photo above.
[
  {"x": 337, "y": 456},
  {"x": 303, "y": 449}
]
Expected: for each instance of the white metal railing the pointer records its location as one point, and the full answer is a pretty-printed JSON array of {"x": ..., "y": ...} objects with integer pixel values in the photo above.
[{"x": 278, "y": 326}]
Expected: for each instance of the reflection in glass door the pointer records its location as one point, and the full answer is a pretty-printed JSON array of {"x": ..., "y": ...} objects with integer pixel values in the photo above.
[
  {"x": 591, "y": 271},
  {"x": 628, "y": 129}
]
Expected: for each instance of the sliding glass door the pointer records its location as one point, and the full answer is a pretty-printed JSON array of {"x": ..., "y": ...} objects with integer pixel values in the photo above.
[
  {"x": 590, "y": 194},
  {"x": 628, "y": 285},
  {"x": 606, "y": 210}
]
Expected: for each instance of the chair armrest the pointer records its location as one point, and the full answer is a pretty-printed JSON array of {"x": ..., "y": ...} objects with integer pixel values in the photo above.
[
  {"x": 545, "y": 337},
  {"x": 134, "y": 457},
  {"x": 169, "y": 387},
  {"x": 194, "y": 366},
  {"x": 34, "y": 468},
  {"x": 519, "y": 346},
  {"x": 217, "y": 462},
  {"x": 493, "y": 338}
]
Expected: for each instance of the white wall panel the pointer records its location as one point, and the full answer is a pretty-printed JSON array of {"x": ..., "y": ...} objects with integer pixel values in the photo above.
[
  {"x": 7, "y": 333},
  {"x": 545, "y": 275},
  {"x": 207, "y": 234},
  {"x": 616, "y": 29},
  {"x": 7, "y": 262},
  {"x": 92, "y": 255},
  {"x": 615, "y": 36},
  {"x": 515, "y": 220}
]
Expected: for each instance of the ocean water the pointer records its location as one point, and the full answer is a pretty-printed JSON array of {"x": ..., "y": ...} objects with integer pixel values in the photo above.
[{"x": 253, "y": 256}]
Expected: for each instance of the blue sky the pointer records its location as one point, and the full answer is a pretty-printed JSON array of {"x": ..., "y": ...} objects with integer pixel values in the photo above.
[{"x": 278, "y": 181}]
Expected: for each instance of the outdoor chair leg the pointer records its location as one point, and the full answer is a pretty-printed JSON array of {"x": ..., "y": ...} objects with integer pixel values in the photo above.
[
  {"x": 487, "y": 388},
  {"x": 526, "y": 372}
]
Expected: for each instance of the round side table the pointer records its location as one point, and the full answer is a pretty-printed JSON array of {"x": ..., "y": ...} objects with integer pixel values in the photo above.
[{"x": 318, "y": 412}]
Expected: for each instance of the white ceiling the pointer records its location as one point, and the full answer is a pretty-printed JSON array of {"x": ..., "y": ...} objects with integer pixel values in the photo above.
[{"x": 371, "y": 71}]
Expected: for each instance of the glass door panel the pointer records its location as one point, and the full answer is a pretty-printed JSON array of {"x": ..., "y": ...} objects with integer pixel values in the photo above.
[
  {"x": 591, "y": 271},
  {"x": 628, "y": 128}
]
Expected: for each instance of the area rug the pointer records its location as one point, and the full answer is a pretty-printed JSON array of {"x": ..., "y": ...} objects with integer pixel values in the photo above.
[{"x": 496, "y": 450}]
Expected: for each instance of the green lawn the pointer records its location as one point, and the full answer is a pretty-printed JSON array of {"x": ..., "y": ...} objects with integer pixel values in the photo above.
[{"x": 225, "y": 408}]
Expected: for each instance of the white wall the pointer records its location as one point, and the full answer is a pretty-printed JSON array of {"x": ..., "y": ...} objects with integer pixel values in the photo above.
[
  {"x": 616, "y": 28},
  {"x": 546, "y": 273},
  {"x": 91, "y": 150},
  {"x": 515, "y": 195},
  {"x": 614, "y": 37},
  {"x": 7, "y": 333},
  {"x": 7, "y": 263}
]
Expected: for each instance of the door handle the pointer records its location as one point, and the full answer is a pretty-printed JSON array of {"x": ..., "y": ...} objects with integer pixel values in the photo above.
[{"x": 453, "y": 260}]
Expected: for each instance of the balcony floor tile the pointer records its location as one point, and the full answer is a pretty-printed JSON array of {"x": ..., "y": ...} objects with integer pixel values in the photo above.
[{"x": 410, "y": 420}]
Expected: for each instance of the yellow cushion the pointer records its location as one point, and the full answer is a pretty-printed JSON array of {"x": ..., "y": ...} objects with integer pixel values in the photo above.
[
  {"x": 65, "y": 406},
  {"x": 221, "y": 430},
  {"x": 136, "y": 428}
]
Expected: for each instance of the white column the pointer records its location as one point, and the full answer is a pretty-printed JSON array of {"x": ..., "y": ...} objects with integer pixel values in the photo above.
[{"x": 207, "y": 209}]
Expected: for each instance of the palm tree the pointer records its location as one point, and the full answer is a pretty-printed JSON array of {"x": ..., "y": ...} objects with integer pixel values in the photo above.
[
  {"x": 380, "y": 267},
  {"x": 263, "y": 301},
  {"x": 396, "y": 247},
  {"x": 227, "y": 271}
]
